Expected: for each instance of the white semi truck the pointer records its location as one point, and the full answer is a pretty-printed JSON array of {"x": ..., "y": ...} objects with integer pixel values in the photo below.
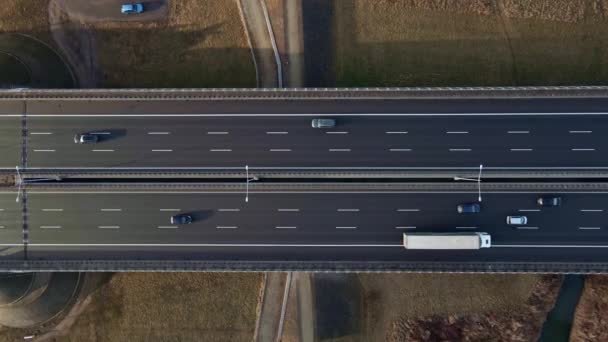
[{"x": 446, "y": 240}]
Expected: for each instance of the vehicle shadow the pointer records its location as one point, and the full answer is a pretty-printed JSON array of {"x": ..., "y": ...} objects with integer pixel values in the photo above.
[
  {"x": 200, "y": 215},
  {"x": 105, "y": 135},
  {"x": 153, "y": 5}
]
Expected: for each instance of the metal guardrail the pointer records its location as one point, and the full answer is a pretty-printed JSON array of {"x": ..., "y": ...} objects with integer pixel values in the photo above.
[
  {"x": 301, "y": 93},
  {"x": 307, "y": 266}
]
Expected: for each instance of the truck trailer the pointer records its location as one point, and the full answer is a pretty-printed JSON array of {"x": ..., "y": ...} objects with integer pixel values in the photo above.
[{"x": 446, "y": 240}]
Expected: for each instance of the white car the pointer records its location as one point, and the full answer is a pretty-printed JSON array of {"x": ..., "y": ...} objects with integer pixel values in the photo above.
[{"x": 517, "y": 220}]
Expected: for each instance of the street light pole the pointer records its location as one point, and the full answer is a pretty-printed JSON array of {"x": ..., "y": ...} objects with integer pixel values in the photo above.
[{"x": 478, "y": 180}]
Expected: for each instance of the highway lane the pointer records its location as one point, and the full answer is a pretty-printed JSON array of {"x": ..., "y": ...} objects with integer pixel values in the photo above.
[
  {"x": 289, "y": 141},
  {"x": 10, "y": 141},
  {"x": 11, "y": 223},
  {"x": 300, "y": 219}
]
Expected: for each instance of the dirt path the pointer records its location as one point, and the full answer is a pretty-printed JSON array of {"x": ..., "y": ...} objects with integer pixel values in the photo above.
[
  {"x": 77, "y": 43},
  {"x": 261, "y": 42}
]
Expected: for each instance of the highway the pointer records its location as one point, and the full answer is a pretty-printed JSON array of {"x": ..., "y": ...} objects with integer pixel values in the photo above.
[
  {"x": 551, "y": 133},
  {"x": 119, "y": 225},
  {"x": 357, "y": 141}
]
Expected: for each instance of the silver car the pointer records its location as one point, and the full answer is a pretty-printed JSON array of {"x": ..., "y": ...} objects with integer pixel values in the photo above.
[
  {"x": 323, "y": 123},
  {"x": 517, "y": 220},
  {"x": 86, "y": 138}
]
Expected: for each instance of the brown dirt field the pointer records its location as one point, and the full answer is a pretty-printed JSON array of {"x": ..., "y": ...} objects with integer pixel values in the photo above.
[
  {"x": 170, "y": 307},
  {"x": 470, "y": 42},
  {"x": 26, "y": 16},
  {"x": 202, "y": 44},
  {"x": 391, "y": 298},
  {"x": 590, "y": 319},
  {"x": 515, "y": 322},
  {"x": 7, "y": 180}
]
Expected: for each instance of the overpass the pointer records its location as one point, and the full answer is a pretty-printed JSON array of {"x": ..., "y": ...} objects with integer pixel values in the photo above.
[{"x": 267, "y": 191}]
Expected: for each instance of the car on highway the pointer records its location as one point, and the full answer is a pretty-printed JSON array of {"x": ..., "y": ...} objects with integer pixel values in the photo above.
[
  {"x": 181, "y": 219},
  {"x": 86, "y": 138},
  {"x": 323, "y": 123},
  {"x": 549, "y": 201},
  {"x": 133, "y": 8},
  {"x": 468, "y": 208},
  {"x": 517, "y": 220}
]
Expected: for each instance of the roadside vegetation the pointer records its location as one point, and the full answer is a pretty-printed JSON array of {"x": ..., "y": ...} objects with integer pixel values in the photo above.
[
  {"x": 171, "y": 307},
  {"x": 202, "y": 44},
  {"x": 470, "y": 43},
  {"x": 26, "y": 16},
  {"x": 590, "y": 319}
]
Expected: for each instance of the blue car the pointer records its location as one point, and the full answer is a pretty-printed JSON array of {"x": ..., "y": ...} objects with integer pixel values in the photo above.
[{"x": 132, "y": 8}]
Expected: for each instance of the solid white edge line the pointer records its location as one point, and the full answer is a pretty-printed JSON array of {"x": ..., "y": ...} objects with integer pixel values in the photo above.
[
  {"x": 166, "y": 115},
  {"x": 263, "y": 245}
]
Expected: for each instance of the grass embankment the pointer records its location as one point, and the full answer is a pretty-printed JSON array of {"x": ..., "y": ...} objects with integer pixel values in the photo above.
[
  {"x": 590, "y": 319},
  {"x": 13, "y": 71},
  {"x": 470, "y": 43},
  {"x": 26, "y": 16},
  {"x": 202, "y": 44},
  {"x": 171, "y": 307}
]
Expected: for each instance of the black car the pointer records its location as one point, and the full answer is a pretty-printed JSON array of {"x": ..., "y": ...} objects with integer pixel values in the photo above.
[
  {"x": 468, "y": 208},
  {"x": 549, "y": 201},
  {"x": 181, "y": 219}
]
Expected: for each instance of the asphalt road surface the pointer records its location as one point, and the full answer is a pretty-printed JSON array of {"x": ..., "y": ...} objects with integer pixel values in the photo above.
[
  {"x": 305, "y": 218},
  {"x": 357, "y": 141},
  {"x": 122, "y": 224}
]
